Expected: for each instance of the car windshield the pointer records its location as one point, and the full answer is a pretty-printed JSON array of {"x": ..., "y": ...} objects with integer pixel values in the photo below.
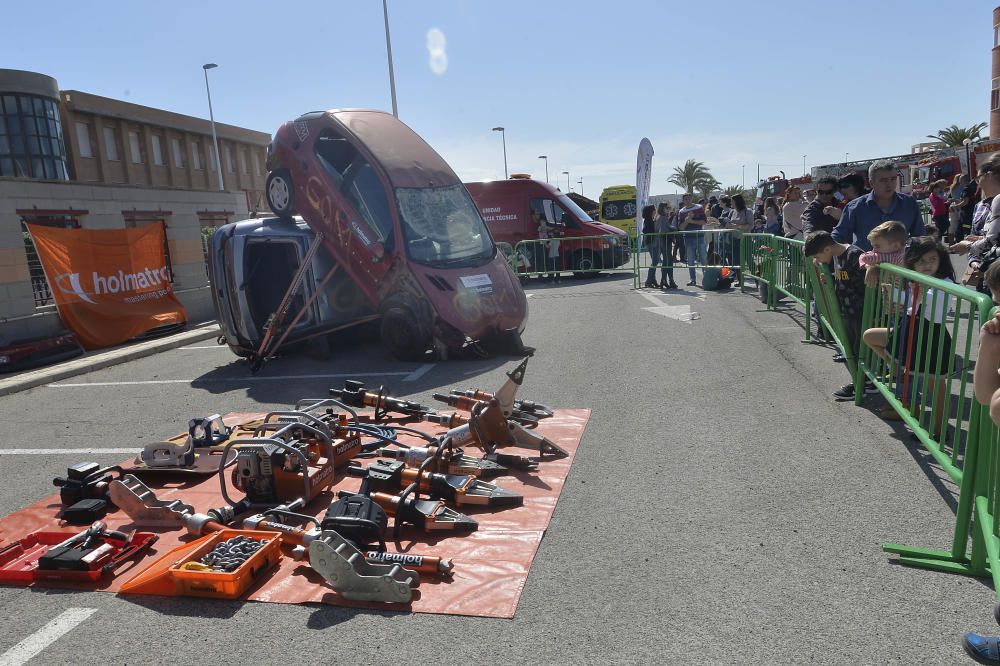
[
  {"x": 442, "y": 227},
  {"x": 574, "y": 210}
]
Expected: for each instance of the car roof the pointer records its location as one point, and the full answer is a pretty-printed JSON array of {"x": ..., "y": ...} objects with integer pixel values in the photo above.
[{"x": 407, "y": 159}]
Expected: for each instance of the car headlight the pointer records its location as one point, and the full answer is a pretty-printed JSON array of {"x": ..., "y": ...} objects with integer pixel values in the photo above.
[{"x": 4, "y": 359}]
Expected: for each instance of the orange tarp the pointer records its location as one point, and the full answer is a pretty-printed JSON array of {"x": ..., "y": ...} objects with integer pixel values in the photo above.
[
  {"x": 491, "y": 564},
  {"x": 109, "y": 285}
]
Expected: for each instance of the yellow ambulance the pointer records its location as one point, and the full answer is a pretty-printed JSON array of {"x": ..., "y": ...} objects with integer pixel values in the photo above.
[{"x": 618, "y": 208}]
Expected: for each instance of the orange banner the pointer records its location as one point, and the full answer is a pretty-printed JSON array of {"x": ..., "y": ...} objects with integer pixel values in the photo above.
[{"x": 109, "y": 285}]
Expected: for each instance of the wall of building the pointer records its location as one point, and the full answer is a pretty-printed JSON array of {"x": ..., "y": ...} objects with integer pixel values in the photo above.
[
  {"x": 111, "y": 141},
  {"x": 107, "y": 207}
]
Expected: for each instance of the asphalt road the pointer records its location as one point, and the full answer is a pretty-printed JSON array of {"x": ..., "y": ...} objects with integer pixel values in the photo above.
[{"x": 722, "y": 507}]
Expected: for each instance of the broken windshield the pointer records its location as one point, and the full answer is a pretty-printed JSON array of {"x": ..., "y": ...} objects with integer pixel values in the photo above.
[{"x": 441, "y": 226}]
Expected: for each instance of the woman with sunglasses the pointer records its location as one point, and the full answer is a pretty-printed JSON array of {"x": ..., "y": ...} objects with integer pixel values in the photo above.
[
  {"x": 982, "y": 251},
  {"x": 816, "y": 216}
]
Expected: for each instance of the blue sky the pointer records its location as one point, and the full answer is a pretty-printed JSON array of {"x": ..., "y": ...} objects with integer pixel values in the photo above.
[{"x": 726, "y": 82}]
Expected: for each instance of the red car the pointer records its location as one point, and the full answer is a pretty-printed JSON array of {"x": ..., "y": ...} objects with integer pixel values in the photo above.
[{"x": 399, "y": 222}]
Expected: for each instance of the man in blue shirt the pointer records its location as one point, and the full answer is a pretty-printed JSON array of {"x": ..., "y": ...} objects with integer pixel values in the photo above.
[{"x": 880, "y": 205}]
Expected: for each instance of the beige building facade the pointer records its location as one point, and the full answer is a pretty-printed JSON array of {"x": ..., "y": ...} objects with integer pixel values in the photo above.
[
  {"x": 114, "y": 142},
  {"x": 72, "y": 159}
]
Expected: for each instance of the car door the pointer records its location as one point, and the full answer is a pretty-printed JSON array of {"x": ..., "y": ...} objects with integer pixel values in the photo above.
[{"x": 350, "y": 195}]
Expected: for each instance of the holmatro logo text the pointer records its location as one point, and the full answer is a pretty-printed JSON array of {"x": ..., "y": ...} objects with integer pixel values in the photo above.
[{"x": 69, "y": 283}]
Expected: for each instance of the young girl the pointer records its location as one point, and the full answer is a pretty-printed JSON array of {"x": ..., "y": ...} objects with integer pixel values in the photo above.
[
  {"x": 939, "y": 207},
  {"x": 921, "y": 344}
]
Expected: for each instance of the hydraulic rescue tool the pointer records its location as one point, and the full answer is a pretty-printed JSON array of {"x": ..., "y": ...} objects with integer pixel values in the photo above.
[
  {"x": 528, "y": 408},
  {"x": 96, "y": 548},
  {"x": 487, "y": 428},
  {"x": 355, "y": 394},
  {"x": 393, "y": 475},
  {"x": 208, "y": 431},
  {"x": 451, "y": 461},
  {"x": 281, "y": 467},
  {"x": 85, "y": 481},
  {"x": 407, "y": 507},
  {"x": 86, "y": 556},
  {"x": 341, "y": 563},
  {"x": 489, "y": 425},
  {"x": 180, "y": 452}
]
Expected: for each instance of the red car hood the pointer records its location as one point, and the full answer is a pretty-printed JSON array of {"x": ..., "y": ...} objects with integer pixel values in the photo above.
[{"x": 476, "y": 301}]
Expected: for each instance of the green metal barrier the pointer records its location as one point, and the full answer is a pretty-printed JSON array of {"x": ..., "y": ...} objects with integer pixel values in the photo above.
[
  {"x": 830, "y": 316},
  {"x": 789, "y": 275},
  {"x": 581, "y": 255},
  {"x": 924, "y": 322},
  {"x": 507, "y": 250},
  {"x": 757, "y": 260},
  {"x": 934, "y": 332}
]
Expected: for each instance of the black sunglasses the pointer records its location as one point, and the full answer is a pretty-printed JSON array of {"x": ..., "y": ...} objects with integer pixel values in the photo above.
[{"x": 824, "y": 191}]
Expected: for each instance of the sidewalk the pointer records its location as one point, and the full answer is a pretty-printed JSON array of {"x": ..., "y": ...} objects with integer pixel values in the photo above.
[{"x": 104, "y": 358}]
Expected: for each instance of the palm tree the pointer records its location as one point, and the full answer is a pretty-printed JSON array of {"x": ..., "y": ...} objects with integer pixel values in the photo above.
[
  {"x": 690, "y": 175},
  {"x": 733, "y": 190},
  {"x": 953, "y": 135},
  {"x": 707, "y": 185}
]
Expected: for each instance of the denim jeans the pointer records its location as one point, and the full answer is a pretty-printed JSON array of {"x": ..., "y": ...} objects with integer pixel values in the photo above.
[
  {"x": 695, "y": 251},
  {"x": 660, "y": 254}
]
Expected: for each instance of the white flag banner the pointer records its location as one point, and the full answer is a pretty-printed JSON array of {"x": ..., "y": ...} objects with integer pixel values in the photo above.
[{"x": 643, "y": 174}]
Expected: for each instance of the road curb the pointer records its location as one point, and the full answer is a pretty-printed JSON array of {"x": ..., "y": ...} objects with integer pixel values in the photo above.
[{"x": 106, "y": 359}]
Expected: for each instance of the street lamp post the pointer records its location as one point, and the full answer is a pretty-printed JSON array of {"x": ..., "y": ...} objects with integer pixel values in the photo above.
[
  {"x": 388, "y": 51},
  {"x": 503, "y": 137},
  {"x": 566, "y": 173},
  {"x": 803, "y": 165},
  {"x": 968, "y": 163},
  {"x": 546, "y": 158},
  {"x": 845, "y": 157},
  {"x": 581, "y": 185},
  {"x": 211, "y": 116},
  {"x": 743, "y": 176}
]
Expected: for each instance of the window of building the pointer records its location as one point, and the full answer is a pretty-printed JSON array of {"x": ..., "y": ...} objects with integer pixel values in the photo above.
[
  {"x": 243, "y": 161},
  {"x": 31, "y": 141},
  {"x": 213, "y": 162},
  {"x": 40, "y": 289},
  {"x": 178, "y": 153},
  {"x": 134, "y": 147},
  {"x": 195, "y": 155},
  {"x": 229, "y": 159},
  {"x": 157, "y": 151},
  {"x": 83, "y": 139},
  {"x": 209, "y": 221},
  {"x": 140, "y": 218},
  {"x": 256, "y": 164},
  {"x": 110, "y": 144}
]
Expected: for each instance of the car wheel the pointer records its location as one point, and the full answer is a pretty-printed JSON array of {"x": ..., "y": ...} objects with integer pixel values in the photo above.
[
  {"x": 405, "y": 329},
  {"x": 584, "y": 263},
  {"x": 280, "y": 193}
]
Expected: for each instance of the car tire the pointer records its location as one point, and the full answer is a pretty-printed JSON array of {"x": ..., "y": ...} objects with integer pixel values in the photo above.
[
  {"x": 405, "y": 328},
  {"x": 280, "y": 193},
  {"x": 584, "y": 263}
]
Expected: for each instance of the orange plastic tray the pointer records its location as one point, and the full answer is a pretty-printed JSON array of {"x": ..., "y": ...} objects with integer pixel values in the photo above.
[{"x": 166, "y": 577}]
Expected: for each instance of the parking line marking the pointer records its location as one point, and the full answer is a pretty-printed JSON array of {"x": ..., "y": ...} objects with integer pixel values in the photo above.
[
  {"x": 59, "y": 452},
  {"x": 207, "y": 347},
  {"x": 46, "y": 636},
  {"x": 229, "y": 379},
  {"x": 418, "y": 373}
]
